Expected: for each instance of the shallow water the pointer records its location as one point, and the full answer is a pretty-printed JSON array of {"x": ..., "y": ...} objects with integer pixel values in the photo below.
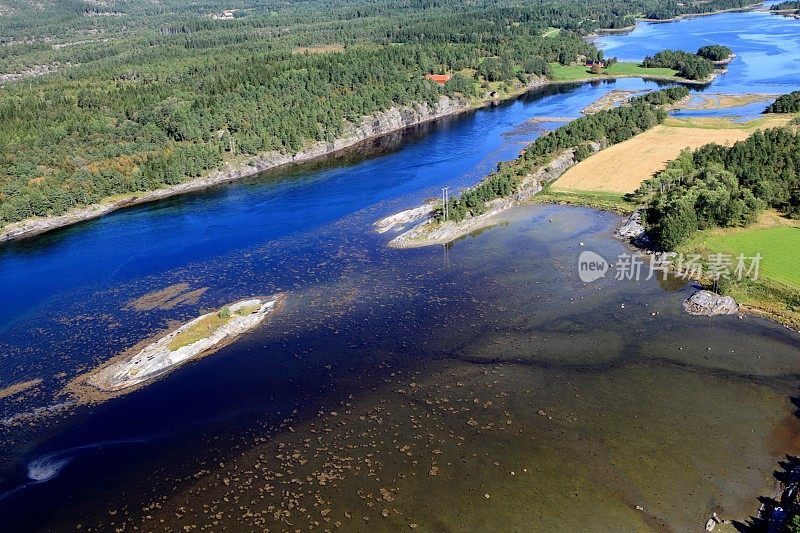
[
  {"x": 456, "y": 360},
  {"x": 636, "y": 404}
]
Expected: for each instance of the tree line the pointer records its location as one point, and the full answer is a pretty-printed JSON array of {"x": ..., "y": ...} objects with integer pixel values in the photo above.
[
  {"x": 787, "y": 103},
  {"x": 782, "y": 6},
  {"x": 607, "y": 127},
  {"x": 161, "y": 92},
  {"x": 71, "y": 139},
  {"x": 715, "y": 52},
  {"x": 662, "y": 97},
  {"x": 723, "y": 186},
  {"x": 689, "y": 66}
]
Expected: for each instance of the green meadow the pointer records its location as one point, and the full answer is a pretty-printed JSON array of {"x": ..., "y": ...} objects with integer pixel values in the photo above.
[
  {"x": 622, "y": 68},
  {"x": 779, "y": 248}
]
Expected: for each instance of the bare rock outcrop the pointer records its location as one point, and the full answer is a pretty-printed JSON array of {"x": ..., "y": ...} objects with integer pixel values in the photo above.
[
  {"x": 632, "y": 228},
  {"x": 708, "y": 303},
  {"x": 154, "y": 358},
  {"x": 404, "y": 217}
]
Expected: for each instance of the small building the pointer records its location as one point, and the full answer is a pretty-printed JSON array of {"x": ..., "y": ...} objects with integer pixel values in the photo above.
[
  {"x": 228, "y": 14},
  {"x": 441, "y": 79}
]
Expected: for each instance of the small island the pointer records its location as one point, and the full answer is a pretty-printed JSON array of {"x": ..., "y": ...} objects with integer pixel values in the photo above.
[{"x": 197, "y": 338}]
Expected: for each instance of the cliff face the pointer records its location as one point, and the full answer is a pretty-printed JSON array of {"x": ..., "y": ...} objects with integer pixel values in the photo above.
[
  {"x": 371, "y": 127},
  {"x": 388, "y": 121}
]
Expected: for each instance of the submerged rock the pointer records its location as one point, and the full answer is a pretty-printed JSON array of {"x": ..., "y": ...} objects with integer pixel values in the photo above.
[{"x": 708, "y": 303}]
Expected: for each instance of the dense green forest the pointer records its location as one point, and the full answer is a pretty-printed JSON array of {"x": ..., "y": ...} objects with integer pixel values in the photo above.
[
  {"x": 787, "y": 103},
  {"x": 793, "y": 4},
  {"x": 714, "y": 52},
  {"x": 662, "y": 97},
  {"x": 690, "y": 66},
  {"x": 148, "y": 94},
  {"x": 608, "y": 127},
  {"x": 723, "y": 186}
]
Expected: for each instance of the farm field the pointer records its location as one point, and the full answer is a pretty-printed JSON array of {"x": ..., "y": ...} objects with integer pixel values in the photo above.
[
  {"x": 779, "y": 248},
  {"x": 621, "y": 168}
]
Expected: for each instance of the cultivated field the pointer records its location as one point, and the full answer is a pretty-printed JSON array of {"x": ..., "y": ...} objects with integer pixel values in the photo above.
[
  {"x": 621, "y": 168},
  {"x": 779, "y": 248}
]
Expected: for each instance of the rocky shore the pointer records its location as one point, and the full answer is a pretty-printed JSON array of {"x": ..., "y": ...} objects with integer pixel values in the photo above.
[
  {"x": 612, "y": 99},
  {"x": 429, "y": 232},
  {"x": 707, "y": 303},
  {"x": 371, "y": 127},
  {"x": 197, "y": 338},
  {"x": 405, "y": 217}
]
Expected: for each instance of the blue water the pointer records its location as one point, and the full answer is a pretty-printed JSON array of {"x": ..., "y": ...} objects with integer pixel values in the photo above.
[
  {"x": 306, "y": 230},
  {"x": 165, "y": 235},
  {"x": 767, "y": 47}
]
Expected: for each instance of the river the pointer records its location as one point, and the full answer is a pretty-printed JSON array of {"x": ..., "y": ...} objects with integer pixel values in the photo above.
[{"x": 451, "y": 388}]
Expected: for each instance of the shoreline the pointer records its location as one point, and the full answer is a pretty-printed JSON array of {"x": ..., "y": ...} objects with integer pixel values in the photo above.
[
  {"x": 372, "y": 127},
  {"x": 744, "y": 9},
  {"x": 600, "y": 32},
  {"x": 789, "y": 322},
  {"x": 151, "y": 359},
  {"x": 425, "y": 232}
]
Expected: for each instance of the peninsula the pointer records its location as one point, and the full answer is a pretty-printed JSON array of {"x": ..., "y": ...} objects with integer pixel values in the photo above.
[{"x": 542, "y": 162}]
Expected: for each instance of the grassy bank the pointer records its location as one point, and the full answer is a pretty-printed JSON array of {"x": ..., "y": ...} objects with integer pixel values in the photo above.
[
  {"x": 620, "y": 69},
  {"x": 606, "y": 201},
  {"x": 776, "y": 291}
]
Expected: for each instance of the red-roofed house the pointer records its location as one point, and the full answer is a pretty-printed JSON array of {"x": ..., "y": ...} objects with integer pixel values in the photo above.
[{"x": 441, "y": 79}]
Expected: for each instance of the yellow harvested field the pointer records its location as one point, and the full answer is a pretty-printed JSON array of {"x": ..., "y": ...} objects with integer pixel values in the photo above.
[{"x": 621, "y": 168}]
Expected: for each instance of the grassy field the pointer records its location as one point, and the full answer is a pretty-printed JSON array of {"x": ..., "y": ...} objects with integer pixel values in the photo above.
[
  {"x": 779, "y": 248},
  {"x": 621, "y": 168},
  {"x": 776, "y": 292},
  {"x": 631, "y": 69}
]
